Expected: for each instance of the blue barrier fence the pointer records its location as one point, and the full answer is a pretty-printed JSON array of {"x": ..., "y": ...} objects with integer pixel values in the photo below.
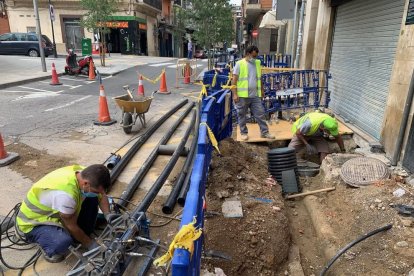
[
  {"x": 276, "y": 61},
  {"x": 216, "y": 113}
]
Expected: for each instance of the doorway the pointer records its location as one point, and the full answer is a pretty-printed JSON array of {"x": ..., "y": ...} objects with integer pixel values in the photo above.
[{"x": 73, "y": 33}]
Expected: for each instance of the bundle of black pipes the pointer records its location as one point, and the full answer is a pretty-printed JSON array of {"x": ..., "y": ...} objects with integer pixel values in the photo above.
[
  {"x": 139, "y": 176},
  {"x": 180, "y": 189},
  {"x": 280, "y": 160},
  {"x": 116, "y": 171}
]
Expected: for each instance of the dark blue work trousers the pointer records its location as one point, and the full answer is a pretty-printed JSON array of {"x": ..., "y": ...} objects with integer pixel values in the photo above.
[{"x": 56, "y": 240}]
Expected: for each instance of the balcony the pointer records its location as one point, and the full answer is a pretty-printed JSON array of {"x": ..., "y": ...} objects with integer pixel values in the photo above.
[
  {"x": 253, "y": 5},
  {"x": 150, "y": 6}
]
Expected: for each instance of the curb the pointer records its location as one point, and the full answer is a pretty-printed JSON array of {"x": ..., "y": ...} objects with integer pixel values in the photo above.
[{"x": 14, "y": 83}]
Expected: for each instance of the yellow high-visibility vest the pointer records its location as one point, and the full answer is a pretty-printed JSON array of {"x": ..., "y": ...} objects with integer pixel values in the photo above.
[
  {"x": 33, "y": 213},
  {"x": 243, "y": 80},
  {"x": 316, "y": 119}
]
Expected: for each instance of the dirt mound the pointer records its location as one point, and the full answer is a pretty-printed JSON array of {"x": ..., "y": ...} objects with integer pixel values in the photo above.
[{"x": 259, "y": 241}]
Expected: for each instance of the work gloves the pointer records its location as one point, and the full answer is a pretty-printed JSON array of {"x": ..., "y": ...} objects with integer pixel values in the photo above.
[
  {"x": 93, "y": 245},
  {"x": 311, "y": 149},
  {"x": 111, "y": 217}
]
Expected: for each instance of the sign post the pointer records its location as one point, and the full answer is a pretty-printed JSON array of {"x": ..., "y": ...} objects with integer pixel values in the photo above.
[{"x": 52, "y": 19}]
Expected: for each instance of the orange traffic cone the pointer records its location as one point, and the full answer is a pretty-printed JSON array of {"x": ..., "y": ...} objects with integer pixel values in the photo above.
[
  {"x": 103, "y": 119},
  {"x": 163, "y": 85},
  {"x": 187, "y": 73},
  {"x": 6, "y": 157},
  {"x": 140, "y": 87},
  {"x": 92, "y": 75},
  {"x": 55, "y": 79}
]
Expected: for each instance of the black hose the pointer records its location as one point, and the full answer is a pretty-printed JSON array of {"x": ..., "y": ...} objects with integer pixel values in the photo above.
[
  {"x": 152, "y": 193},
  {"x": 186, "y": 183},
  {"x": 344, "y": 249},
  {"x": 169, "y": 204},
  {"x": 139, "y": 176},
  {"x": 116, "y": 171}
]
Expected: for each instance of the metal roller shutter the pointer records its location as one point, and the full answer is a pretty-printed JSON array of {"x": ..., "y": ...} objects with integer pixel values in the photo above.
[{"x": 364, "y": 45}]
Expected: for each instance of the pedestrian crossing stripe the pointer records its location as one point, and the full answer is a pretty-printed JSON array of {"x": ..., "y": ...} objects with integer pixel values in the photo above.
[{"x": 160, "y": 64}]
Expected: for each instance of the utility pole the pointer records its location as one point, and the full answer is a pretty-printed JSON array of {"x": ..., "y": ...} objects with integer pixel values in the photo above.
[
  {"x": 39, "y": 36},
  {"x": 300, "y": 34},
  {"x": 52, "y": 19},
  {"x": 292, "y": 50}
]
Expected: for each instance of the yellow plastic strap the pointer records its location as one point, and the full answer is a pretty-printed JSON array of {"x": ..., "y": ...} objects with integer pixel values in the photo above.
[
  {"x": 228, "y": 86},
  {"x": 156, "y": 79},
  {"x": 212, "y": 137},
  {"x": 184, "y": 239},
  {"x": 213, "y": 83}
]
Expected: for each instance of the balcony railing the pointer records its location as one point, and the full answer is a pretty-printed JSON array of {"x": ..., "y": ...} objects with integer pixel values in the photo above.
[
  {"x": 253, "y": 1},
  {"x": 154, "y": 3}
]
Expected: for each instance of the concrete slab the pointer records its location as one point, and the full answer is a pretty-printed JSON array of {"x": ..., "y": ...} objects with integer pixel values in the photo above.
[{"x": 232, "y": 209}]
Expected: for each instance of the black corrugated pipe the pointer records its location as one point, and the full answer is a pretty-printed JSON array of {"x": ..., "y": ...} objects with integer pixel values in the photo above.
[
  {"x": 139, "y": 176},
  {"x": 152, "y": 193},
  {"x": 169, "y": 204},
  {"x": 186, "y": 182},
  {"x": 404, "y": 121},
  {"x": 116, "y": 171}
]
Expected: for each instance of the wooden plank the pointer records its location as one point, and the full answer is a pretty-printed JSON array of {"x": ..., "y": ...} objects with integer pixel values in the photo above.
[
  {"x": 282, "y": 131},
  {"x": 310, "y": 193}
]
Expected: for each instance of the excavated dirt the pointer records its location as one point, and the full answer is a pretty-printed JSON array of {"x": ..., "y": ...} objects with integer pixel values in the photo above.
[{"x": 258, "y": 243}]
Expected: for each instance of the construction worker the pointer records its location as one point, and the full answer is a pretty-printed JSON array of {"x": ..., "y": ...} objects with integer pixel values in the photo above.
[
  {"x": 308, "y": 131},
  {"x": 62, "y": 208},
  {"x": 249, "y": 92}
]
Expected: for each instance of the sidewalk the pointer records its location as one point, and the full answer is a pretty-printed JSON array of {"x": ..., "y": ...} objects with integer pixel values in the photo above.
[{"x": 17, "y": 70}]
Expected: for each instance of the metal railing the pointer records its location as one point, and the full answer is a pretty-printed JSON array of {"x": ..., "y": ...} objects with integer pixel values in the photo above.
[{"x": 154, "y": 3}]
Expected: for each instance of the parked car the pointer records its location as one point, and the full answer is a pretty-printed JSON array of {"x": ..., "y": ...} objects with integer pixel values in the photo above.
[
  {"x": 24, "y": 44},
  {"x": 200, "y": 54}
]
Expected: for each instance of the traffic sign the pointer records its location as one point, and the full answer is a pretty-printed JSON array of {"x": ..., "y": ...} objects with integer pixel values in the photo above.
[
  {"x": 255, "y": 33},
  {"x": 52, "y": 13}
]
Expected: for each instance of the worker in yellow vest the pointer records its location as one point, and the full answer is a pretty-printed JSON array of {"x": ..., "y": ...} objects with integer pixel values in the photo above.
[
  {"x": 62, "y": 207},
  {"x": 249, "y": 92},
  {"x": 308, "y": 131}
]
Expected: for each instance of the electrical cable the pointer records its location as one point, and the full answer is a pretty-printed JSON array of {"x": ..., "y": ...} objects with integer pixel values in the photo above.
[{"x": 344, "y": 249}]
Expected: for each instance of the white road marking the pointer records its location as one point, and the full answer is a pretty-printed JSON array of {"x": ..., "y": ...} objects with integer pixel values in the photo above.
[
  {"x": 63, "y": 78},
  {"x": 41, "y": 90},
  {"x": 68, "y": 104},
  {"x": 67, "y": 85},
  {"x": 110, "y": 76},
  {"x": 160, "y": 64},
  {"x": 35, "y": 95},
  {"x": 193, "y": 66}
]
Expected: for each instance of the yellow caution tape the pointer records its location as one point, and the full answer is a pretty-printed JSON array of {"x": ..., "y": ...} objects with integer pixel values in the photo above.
[
  {"x": 184, "y": 239},
  {"x": 212, "y": 137},
  {"x": 203, "y": 91},
  {"x": 213, "y": 83},
  {"x": 156, "y": 79},
  {"x": 229, "y": 86}
]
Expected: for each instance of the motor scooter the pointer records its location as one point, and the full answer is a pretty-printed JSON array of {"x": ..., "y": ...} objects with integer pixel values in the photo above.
[{"x": 76, "y": 66}]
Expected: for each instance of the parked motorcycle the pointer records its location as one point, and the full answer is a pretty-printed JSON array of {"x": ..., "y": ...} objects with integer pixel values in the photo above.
[{"x": 75, "y": 66}]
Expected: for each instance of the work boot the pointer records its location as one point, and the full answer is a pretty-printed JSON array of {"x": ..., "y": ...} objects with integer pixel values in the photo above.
[
  {"x": 244, "y": 137},
  {"x": 267, "y": 136},
  {"x": 57, "y": 258}
]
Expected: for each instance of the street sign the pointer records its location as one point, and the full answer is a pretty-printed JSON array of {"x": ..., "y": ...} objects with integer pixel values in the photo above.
[
  {"x": 255, "y": 33},
  {"x": 52, "y": 13}
]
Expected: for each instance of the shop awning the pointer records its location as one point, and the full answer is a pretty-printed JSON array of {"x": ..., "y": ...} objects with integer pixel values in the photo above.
[{"x": 269, "y": 21}]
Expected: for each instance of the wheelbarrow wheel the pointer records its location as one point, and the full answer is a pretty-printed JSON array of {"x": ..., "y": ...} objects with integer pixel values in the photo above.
[{"x": 127, "y": 122}]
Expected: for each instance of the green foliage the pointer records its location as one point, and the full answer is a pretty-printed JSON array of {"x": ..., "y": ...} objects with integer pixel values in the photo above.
[
  {"x": 212, "y": 21},
  {"x": 98, "y": 12}
]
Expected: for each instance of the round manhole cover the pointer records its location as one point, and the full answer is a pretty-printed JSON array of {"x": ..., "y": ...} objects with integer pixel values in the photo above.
[{"x": 363, "y": 171}]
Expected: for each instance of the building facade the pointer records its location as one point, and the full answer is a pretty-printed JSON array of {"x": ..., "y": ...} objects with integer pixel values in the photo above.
[
  {"x": 133, "y": 29},
  {"x": 4, "y": 19},
  {"x": 367, "y": 46}
]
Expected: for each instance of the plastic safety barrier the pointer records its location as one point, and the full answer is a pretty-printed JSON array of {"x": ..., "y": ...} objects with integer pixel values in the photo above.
[
  {"x": 296, "y": 89},
  {"x": 216, "y": 115}
]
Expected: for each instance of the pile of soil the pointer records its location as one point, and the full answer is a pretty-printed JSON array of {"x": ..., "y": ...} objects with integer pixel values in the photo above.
[{"x": 258, "y": 243}]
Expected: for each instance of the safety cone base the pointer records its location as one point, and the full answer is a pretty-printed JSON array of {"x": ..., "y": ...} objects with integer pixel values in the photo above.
[
  {"x": 10, "y": 158},
  {"x": 52, "y": 83},
  {"x": 163, "y": 93},
  {"x": 97, "y": 123}
]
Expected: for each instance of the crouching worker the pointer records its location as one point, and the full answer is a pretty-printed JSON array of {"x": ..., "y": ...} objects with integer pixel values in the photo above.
[
  {"x": 61, "y": 208},
  {"x": 308, "y": 131}
]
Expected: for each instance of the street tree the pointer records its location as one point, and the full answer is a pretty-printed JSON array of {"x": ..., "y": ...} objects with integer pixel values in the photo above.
[
  {"x": 212, "y": 22},
  {"x": 95, "y": 20}
]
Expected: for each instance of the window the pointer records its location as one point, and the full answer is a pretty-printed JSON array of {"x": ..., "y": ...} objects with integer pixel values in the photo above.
[
  {"x": 31, "y": 29},
  {"x": 21, "y": 37},
  {"x": 31, "y": 37},
  {"x": 7, "y": 37}
]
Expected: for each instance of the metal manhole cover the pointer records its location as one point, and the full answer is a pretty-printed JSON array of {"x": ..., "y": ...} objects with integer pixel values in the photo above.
[{"x": 363, "y": 171}]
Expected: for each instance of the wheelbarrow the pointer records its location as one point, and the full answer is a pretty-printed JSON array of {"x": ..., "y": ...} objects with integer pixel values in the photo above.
[{"x": 133, "y": 108}]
